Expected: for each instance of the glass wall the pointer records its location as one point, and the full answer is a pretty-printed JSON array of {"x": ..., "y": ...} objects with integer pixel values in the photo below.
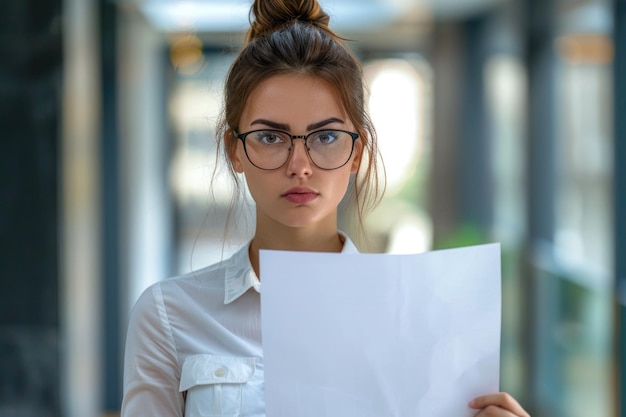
[
  {"x": 400, "y": 107},
  {"x": 505, "y": 82},
  {"x": 582, "y": 258},
  {"x": 201, "y": 186},
  {"x": 570, "y": 357}
]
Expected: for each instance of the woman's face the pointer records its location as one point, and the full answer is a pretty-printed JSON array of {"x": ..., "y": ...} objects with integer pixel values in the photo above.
[{"x": 298, "y": 194}]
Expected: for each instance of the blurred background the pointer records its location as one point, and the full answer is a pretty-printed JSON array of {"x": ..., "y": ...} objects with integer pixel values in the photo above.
[{"x": 499, "y": 121}]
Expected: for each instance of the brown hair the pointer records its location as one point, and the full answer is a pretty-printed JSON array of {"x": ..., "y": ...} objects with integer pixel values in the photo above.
[{"x": 293, "y": 37}]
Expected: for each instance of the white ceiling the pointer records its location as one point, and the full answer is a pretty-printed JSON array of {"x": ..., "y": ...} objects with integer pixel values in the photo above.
[
  {"x": 346, "y": 15},
  {"x": 377, "y": 24}
]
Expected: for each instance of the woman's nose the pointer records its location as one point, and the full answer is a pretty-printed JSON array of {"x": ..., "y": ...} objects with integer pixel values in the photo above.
[{"x": 299, "y": 163}]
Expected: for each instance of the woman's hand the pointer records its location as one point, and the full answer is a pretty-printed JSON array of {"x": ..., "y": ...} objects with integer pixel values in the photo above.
[{"x": 500, "y": 404}]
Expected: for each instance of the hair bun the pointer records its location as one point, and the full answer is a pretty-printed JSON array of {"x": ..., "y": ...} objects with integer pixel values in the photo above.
[{"x": 268, "y": 15}]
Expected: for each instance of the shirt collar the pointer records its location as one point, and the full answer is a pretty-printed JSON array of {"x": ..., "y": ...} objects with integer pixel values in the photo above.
[{"x": 240, "y": 277}]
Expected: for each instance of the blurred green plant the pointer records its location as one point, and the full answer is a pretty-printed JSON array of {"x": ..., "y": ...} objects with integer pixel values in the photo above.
[{"x": 467, "y": 234}]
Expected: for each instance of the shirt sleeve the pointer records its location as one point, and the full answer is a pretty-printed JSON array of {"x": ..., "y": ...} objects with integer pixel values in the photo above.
[{"x": 151, "y": 367}]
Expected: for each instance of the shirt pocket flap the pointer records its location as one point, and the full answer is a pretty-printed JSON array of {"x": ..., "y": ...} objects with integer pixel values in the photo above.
[{"x": 211, "y": 369}]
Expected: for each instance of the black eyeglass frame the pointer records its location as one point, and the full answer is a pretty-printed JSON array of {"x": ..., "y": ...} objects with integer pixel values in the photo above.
[{"x": 243, "y": 136}]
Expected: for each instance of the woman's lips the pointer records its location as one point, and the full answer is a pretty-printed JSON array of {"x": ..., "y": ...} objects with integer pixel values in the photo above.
[{"x": 300, "y": 195}]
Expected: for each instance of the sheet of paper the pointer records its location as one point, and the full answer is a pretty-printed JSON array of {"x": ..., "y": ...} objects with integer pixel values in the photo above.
[{"x": 379, "y": 335}]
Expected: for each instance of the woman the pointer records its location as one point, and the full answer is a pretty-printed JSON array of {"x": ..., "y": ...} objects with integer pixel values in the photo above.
[{"x": 295, "y": 126}]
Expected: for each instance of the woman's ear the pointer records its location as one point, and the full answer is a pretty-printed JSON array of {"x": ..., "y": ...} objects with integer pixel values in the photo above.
[
  {"x": 358, "y": 154},
  {"x": 234, "y": 151}
]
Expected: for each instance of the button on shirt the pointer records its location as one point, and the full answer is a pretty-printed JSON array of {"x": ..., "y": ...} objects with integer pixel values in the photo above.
[{"x": 193, "y": 346}]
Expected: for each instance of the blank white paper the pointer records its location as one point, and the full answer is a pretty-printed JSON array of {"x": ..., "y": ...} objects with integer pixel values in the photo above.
[{"x": 380, "y": 335}]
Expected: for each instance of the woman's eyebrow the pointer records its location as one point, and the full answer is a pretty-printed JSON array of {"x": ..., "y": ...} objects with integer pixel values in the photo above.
[
  {"x": 271, "y": 124},
  {"x": 324, "y": 123},
  {"x": 283, "y": 126}
]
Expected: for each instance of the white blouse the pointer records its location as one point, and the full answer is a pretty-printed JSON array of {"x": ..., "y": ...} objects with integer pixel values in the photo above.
[{"x": 193, "y": 346}]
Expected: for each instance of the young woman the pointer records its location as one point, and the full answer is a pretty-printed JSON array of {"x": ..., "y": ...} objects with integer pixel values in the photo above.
[{"x": 295, "y": 127}]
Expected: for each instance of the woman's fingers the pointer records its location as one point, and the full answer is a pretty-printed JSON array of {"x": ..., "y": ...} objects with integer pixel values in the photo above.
[
  {"x": 501, "y": 400},
  {"x": 494, "y": 411}
]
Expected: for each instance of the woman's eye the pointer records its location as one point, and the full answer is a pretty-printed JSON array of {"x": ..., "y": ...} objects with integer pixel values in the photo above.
[
  {"x": 326, "y": 137},
  {"x": 269, "y": 138}
]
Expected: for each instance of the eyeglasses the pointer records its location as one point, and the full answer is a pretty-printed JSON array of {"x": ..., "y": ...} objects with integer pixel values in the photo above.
[{"x": 270, "y": 149}]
